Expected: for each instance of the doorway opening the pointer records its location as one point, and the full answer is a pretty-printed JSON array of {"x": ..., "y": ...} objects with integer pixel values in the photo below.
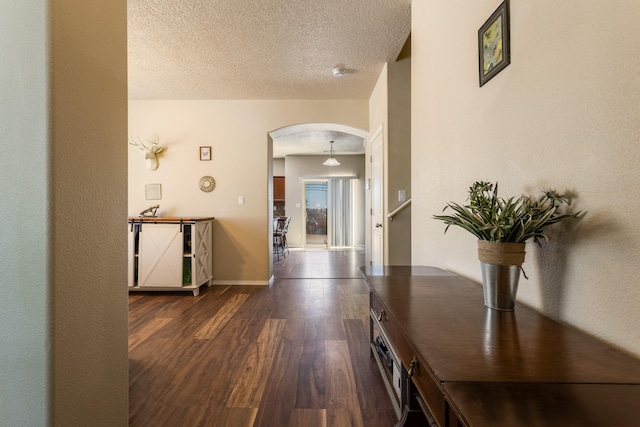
[
  {"x": 315, "y": 213},
  {"x": 329, "y": 212},
  {"x": 296, "y": 155}
]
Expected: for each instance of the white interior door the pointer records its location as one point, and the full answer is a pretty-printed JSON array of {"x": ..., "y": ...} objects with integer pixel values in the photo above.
[{"x": 377, "y": 224}]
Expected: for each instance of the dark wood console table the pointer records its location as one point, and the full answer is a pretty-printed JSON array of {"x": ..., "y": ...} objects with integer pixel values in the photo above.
[{"x": 462, "y": 364}]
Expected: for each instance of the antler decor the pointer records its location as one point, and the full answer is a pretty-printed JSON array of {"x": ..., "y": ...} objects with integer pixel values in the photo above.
[
  {"x": 150, "y": 151},
  {"x": 150, "y": 212}
]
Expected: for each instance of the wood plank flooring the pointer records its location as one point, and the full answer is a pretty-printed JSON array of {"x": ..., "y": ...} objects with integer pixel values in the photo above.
[{"x": 292, "y": 354}]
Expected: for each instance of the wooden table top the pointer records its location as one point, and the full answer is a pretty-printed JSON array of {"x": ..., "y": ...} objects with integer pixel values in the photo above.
[
  {"x": 535, "y": 404},
  {"x": 176, "y": 220},
  {"x": 444, "y": 318}
]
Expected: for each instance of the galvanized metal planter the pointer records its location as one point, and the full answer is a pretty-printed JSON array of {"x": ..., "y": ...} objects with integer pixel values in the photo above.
[{"x": 501, "y": 265}]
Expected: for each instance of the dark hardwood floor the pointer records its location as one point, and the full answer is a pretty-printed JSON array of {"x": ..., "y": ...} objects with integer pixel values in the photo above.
[{"x": 292, "y": 354}]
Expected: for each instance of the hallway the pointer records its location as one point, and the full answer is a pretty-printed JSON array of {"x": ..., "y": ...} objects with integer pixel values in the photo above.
[{"x": 293, "y": 354}]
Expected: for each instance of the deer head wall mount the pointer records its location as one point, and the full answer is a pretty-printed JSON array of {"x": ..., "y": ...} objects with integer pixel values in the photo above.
[{"x": 150, "y": 151}]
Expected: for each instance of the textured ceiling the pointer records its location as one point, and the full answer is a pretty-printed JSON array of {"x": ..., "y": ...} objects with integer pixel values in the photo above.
[
  {"x": 317, "y": 142},
  {"x": 314, "y": 139},
  {"x": 261, "y": 49},
  {"x": 265, "y": 49}
]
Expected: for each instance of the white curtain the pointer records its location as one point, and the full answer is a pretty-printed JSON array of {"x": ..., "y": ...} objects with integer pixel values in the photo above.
[{"x": 341, "y": 212}]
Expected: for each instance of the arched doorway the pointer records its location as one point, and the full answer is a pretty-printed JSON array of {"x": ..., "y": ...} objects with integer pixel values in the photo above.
[{"x": 297, "y": 153}]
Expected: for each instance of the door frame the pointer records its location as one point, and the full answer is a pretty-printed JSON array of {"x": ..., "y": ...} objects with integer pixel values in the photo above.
[
  {"x": 377, "y": 234},
  {"x": 304, "y": 182}
]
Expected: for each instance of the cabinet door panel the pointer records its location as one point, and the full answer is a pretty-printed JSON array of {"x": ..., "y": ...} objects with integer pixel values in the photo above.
[
  {"x": 278, "y": 188},
  {"x": 202, "y": 269},
  {"x": 160, "y": 261},
  {"x": 131, "y": 259}
]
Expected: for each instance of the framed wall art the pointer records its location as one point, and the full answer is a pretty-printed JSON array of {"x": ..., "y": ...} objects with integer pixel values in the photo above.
[
  {"x": 205, "y": 153},
  {"x": 153, "y": 191},
  {"x": 494, "y": 51}
]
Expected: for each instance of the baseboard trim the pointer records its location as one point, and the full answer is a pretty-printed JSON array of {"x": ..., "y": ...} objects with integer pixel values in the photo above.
[{"x": 244, "y": 282}]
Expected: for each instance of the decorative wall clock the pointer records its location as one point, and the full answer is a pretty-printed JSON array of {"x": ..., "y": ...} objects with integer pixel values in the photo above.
[{"x": 207, "y": 184}]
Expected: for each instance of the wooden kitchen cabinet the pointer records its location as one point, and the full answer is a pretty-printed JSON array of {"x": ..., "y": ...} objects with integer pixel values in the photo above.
[{"x": 278, "y": 188}]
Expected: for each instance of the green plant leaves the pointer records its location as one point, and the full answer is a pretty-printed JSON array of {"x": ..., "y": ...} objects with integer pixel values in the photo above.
[{"x": 516, "y": 219}]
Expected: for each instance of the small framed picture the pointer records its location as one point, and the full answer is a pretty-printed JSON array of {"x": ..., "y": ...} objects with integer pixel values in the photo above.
[
  {"x": 205, "y": 153},
  {"x": 494, "y": 51},
  {"x": 153, "y": 192}
]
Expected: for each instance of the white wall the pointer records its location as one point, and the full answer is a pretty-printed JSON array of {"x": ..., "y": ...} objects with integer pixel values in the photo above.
[
  {"x": 237, "y": 132},
  {"x": 63, "y": 310},
  {"x": 300, "y": 167},
  {"x": 564, "y": 114}
]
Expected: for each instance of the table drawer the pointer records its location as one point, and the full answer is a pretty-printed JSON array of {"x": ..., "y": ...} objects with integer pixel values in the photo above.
[
  {"x": 425, "y": 384},
  {"x": 431, "y": 392}
]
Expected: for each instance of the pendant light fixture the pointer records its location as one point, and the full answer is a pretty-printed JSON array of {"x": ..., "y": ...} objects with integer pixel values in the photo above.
[{"x": 331, "y": 161}]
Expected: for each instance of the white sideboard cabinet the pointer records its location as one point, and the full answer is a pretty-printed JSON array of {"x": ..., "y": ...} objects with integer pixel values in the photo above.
[{"x": 170, "y": 254}]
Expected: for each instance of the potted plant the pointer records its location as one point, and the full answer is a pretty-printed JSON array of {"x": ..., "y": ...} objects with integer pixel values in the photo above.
[{"x": 502, "y": 227}]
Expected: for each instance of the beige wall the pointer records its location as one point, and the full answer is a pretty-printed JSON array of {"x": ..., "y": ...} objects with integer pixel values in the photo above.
[
  {"x": 378, "y": 122},
  {"x": 564, "y": 114},
  {"x": 278, "y": 167},
  {"x": 389, "y": 112},
  {"x": 88, "y": 206},
  {"x": 399, "y": 160},
  {"x": 237, "y": 132},
  {"x": 63, "y": 345}
]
